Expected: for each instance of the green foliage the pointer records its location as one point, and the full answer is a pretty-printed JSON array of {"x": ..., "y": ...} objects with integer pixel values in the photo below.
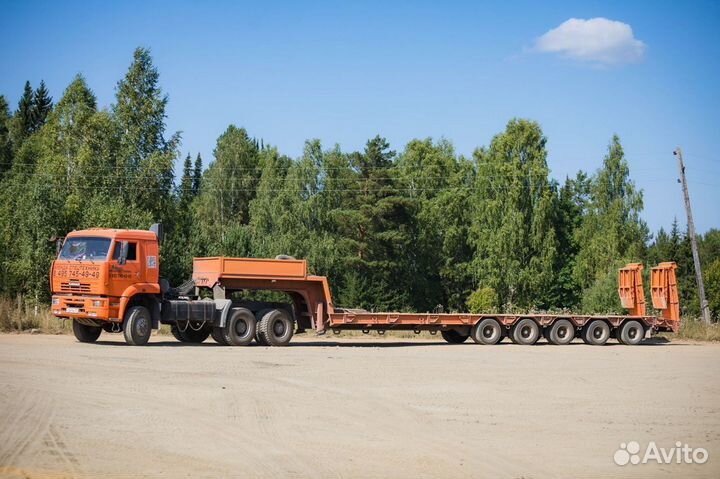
[
  {"x": 611, "y": 229},
  {"x": 482, "y": 300},
  {"x": 41, "y": 106},
  {"x": 712, "y": 287},
  {"x": 512, "y": 229},
  {"x": 22, "y": 122},
  {"x": 601, "y": 296},
  {"x": 5, "y": 142},
  {"x": 420, "y": 231}
]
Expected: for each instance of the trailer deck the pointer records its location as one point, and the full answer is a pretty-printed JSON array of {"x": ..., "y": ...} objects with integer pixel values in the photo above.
[{"x": 314, "y": 308}]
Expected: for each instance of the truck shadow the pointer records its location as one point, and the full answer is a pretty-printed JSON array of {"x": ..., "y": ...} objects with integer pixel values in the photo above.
[{"x": 385, "y": 343}]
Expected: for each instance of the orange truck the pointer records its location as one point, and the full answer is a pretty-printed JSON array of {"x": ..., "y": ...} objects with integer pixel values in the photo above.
[{"x": 108, "y": 279}]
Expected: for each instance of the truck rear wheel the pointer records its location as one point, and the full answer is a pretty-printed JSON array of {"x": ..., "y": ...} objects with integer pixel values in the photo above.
[
  {"x": 84, "y": 333},
  {"x": 137, "y": 326},
  {"x": 631, "y": 333},
  {"x": 487, "y": 331},
  {"x": 276, "y": 327},
  {"x": 596, "y": 333},
  {"x": 217, "y": 335},
  {"x": 453, "y": 337},
  {"x": 240, "y": 327},
  {"x": 562, "y": 331},
  {"x": 526, "y": 331},
  {"x": 192, "y": 333}
]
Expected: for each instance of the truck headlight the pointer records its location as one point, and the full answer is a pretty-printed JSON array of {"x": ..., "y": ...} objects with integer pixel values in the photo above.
[
  {"x": 56, "y": 301},
  {"x": 97, "y": 303}
]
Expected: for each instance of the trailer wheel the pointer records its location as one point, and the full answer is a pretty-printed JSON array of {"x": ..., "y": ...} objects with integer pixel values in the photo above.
[
  {"x": 561, "y": 332},
  {"x": 240, "y": 327},
  {"x": 276, "y": 328},
  {"x": 487, "y": 331},
  {"x": 217, "y": 335},
  {"x": 137, "y": 326},
  {"x": 453, "y": 337},
  {"x": 84, "y": 333},
  {"x": 631, "y": 333},
  {"x": 596, "y": 333},
  {"x": 526, "y": 332}
]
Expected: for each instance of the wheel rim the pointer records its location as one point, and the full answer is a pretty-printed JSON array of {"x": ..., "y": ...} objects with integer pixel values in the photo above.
[
  {"x": 598, "y": 333},
  {"x": 526, "y": 332},
  {"x": 241, "y": 327},
  {"x": 488, "y": 332},
  {"x": 632, "y": 333},
  {"x": 562, "y": 332},
  {"x": 141, "y": 326},
  {"x": 279, "y": 328}
]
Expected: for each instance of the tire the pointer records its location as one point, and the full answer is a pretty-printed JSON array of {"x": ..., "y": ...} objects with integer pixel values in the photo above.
[
  {"x": 561, "y": 332},
  {"x": 487, "y": 331},
  {"x": 453, "y": 337},
  {"x": 526, "y": 332},
  {"x": 84, "y": 333},
  {"x": 190, "y": 335},
  {"x": 259, "y": 338},
  {"x": 240, "y": 327},
  {"x": 176, "y": 333},
  {"x": 217, "y": 335},
  {"x": 631, "y": 333},
  {"x": 137, "y": 326},
  {"x": 596, "y": 333},
  {"x": 276, "y": 327}
]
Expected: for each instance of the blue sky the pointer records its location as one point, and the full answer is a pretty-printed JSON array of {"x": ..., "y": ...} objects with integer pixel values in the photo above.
[{"x": 346, "y": 71}]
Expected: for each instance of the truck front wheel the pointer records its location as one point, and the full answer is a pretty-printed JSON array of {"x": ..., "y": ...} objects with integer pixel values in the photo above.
[
  {"x": 86, "y": 334},
  {"x": 137, "y": 326}
]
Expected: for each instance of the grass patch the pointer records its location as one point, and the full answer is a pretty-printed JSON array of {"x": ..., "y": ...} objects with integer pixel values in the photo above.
[
  {"x": 20, "y": 314},
  {"x": 697, "y": 330}
]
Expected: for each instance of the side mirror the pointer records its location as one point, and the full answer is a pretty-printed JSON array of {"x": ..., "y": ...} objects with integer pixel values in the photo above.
[
  {"x": 157, "y": 228},
  {"x": 124, "y": 246}
]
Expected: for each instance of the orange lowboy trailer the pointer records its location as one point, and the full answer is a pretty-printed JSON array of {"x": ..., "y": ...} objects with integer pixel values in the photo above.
[{"x": 108, "y": 280}]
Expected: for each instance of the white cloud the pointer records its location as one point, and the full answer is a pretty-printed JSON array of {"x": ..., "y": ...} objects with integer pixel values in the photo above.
[{"x": 597, "y": 40}]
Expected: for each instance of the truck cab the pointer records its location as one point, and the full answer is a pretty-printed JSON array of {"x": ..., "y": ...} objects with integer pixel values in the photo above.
[{"x": 100, "y": 272}]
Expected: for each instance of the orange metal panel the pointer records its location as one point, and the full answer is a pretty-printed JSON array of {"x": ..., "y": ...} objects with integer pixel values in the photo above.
[
  {"x": 664, "y": 292},
  {"x": 630, "y": 289},
  {"x": 249, "y": 268}
]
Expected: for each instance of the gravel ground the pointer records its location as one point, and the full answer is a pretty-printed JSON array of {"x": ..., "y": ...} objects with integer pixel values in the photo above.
[{"x": 333, "y": 407}]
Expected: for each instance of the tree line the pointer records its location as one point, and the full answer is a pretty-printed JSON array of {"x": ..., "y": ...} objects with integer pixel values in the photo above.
[{"x": 421, "y": 229}]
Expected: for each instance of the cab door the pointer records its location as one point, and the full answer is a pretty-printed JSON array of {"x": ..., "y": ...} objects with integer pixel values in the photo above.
[{"x": 124, "y": 275}]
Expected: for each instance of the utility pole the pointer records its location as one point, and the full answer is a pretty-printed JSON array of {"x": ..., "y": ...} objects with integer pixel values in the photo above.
[{"x": 693, "y": 240}]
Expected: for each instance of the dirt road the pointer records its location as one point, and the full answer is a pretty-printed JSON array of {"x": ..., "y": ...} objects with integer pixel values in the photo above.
[{"x": 350, "y": 408}]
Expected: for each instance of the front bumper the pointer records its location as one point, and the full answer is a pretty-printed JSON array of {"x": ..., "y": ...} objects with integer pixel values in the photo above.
[{"x": 95, "y": 307}]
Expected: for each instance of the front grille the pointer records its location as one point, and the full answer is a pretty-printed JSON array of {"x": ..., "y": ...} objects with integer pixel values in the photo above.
[{"x": 74, "y": 287}]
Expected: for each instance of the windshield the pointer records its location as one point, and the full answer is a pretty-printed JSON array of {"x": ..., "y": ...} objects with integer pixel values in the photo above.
[{"x": 80, "y": 248}]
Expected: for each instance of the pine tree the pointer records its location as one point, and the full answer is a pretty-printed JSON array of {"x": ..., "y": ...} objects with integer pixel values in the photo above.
[
  {"x": 5, "y": 144},
  {"x": 42, "y": 105},
  {"x": 381, "y": 225},
  {"x": 185, "y": 193},
  {"x": 197, "y": 175},
  {"x": 22, "y": 120}
]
